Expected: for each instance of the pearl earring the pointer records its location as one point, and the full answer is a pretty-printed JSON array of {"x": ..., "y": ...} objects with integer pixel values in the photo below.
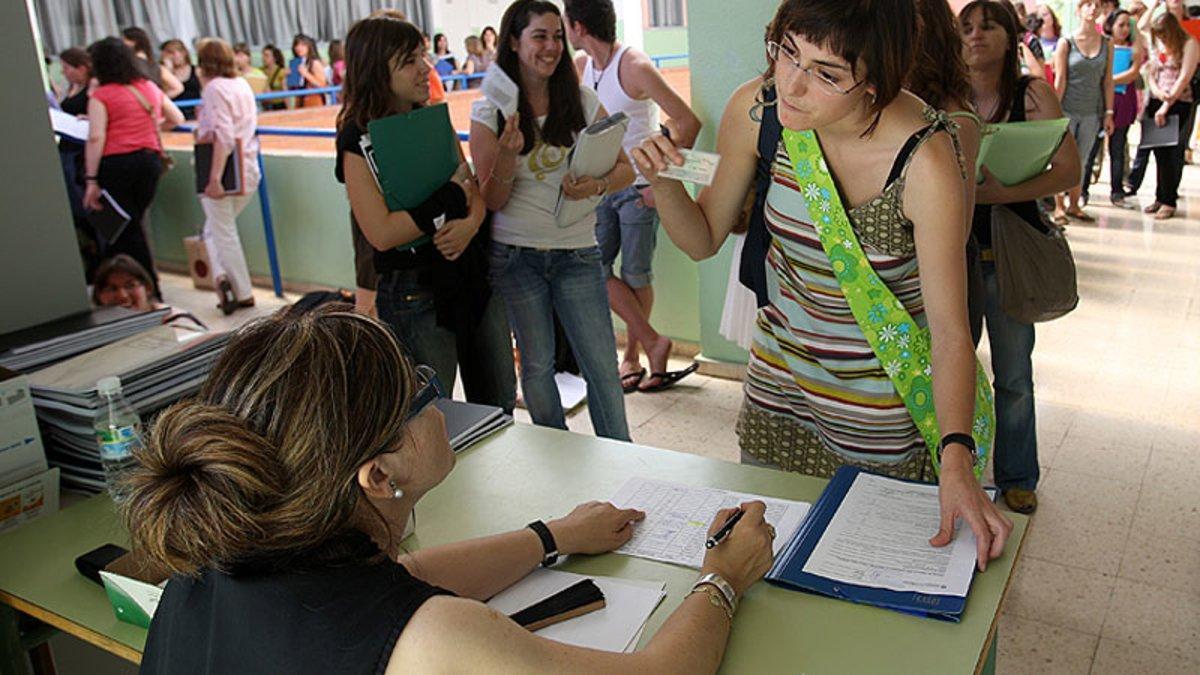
[{"x": 397, "y": 493}]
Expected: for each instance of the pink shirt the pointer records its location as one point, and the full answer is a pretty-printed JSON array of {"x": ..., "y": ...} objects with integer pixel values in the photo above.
[
  {"x": 228, "y": 113},
  {"x": 130, "y": 128}
]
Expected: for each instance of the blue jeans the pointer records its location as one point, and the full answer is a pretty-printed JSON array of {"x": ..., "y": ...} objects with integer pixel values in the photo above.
[
  {"x": 625, "y": 225},
  {"x": 538, "y": 284},
  {"x": 484, "y": 354},
  {"x": 1012, "y": 363}
]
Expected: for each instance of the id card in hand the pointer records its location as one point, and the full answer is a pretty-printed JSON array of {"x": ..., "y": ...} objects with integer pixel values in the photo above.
[
  {"x": 499, "y": 88},
  {"x": 699, "y": 167}
]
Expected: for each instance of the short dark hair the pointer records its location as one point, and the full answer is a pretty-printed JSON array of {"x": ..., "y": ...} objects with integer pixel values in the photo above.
[
  {"x": 277, "y": 54},
  {"x": 241, "y": 48},
  {"x": 141, "y": 41},
  {"x": 76, "y": 57},
  {"x": 597, "y": 16},
  {"x": 113, "y": 62},
  {"x": 879, "y": 32},
  {"x": 566, "y": 106}
]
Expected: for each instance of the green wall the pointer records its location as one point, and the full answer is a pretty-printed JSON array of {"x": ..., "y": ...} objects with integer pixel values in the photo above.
[{"x": 667, "y": 41}]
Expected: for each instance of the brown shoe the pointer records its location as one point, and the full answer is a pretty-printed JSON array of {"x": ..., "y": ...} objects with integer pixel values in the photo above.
[{"x": 1021, "y": 501}]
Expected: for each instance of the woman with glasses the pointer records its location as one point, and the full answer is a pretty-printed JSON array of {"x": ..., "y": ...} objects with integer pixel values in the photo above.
[
  {"x": 278, "y": 499},
  {"x": 818, "y": 392}
]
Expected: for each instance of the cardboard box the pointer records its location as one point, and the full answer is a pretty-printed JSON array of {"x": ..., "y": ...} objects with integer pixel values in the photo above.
[
  {"x": 21, "y": 451},
  {"x": 29, "y": 499},
  {"x": 199, "y": 265}
]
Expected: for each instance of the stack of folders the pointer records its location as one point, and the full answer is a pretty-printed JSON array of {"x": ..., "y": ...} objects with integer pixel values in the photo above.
[
  {"x": 157, "y": 368},
  {"x": 41, "y": 345},
  {"x": 469, "y": 423},
  {"x": 866, "y": 540},
  {"x": 412, "y": 154}
]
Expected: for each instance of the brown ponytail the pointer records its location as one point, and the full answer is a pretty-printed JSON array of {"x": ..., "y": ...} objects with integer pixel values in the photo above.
[{"x": 260, "y": 470}]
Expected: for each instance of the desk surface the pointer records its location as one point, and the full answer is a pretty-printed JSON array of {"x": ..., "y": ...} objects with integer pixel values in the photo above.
[{"x": 525, "y": 473}]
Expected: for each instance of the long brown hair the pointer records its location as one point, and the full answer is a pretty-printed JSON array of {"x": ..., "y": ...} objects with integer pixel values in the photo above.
[
  {"x": 260, "y": 470},
  {"x": 371, "y": 45},
  {"x": 566, "y": 106},
  {"x": 1165, "y": 30},
  {"x": 1010, "y": 73},
  {"x": 939, "y": 73},
  {"x": 880, "y": 32}
]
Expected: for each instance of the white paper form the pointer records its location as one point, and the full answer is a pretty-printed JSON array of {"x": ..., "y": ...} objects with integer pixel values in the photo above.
[
  {"x": 879, "y": 537},
  {"x": 615, "y": 628},
  {"x": 68, "y": 125},
  {"x": 678, "y": 516}
]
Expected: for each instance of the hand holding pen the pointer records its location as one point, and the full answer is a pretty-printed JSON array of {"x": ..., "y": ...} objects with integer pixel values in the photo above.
[{"x": 742, "y": 554}]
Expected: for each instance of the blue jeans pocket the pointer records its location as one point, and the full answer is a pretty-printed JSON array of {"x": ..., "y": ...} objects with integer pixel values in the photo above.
[{"x": 590, "y": 255}]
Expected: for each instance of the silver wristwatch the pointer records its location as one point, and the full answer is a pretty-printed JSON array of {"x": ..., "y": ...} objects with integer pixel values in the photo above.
[{"x": 718, "y": 582}]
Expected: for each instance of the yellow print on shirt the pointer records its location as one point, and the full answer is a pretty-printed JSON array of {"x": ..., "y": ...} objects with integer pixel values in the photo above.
[{"x": 545, "y": 159}]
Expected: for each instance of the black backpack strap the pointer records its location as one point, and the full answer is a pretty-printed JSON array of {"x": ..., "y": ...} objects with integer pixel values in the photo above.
[{"x": 752, "y": 272}]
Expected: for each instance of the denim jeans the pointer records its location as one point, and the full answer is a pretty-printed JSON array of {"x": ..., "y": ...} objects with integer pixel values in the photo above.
[
  {"x": 625, "y": 225},
  {"x": 484, "y": 355},
  {"x": 537, "y": 285},
  {"x": 1011, "y": 342},
  {"x": 1116, "y": 160}
]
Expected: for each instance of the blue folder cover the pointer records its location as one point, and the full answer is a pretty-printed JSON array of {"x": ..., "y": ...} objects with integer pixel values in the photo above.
[
  {"x": 1122, "y": 59},
  {"x": 788, "y": 570}
]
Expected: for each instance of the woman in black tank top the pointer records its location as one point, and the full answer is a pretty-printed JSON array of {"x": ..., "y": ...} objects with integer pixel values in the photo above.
[
  {"x": 1001, "y": 94},
  {"x": 278, "y": 497}
]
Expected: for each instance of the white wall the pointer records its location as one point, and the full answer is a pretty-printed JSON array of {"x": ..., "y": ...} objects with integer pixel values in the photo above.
[{"x": 460, "y": 18}]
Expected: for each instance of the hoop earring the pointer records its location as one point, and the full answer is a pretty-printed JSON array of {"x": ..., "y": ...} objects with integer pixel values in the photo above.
[{"x": 397, "y": 493}]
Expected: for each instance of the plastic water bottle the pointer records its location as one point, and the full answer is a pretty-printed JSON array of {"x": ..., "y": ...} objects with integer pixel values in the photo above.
[{"x": 118, "y": 432}]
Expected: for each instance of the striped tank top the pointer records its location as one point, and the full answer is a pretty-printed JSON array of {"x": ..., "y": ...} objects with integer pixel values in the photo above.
[{"x": 810, "y": 360}]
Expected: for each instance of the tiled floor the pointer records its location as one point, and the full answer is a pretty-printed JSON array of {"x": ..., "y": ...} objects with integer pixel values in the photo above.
[{"x": 1109, "y": 580}]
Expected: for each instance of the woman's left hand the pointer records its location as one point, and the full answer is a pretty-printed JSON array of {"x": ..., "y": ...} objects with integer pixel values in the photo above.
[
  {"x": 454, "y": 236},
  {"x": 214, "y": 189},
  {"x": 1109, "y": 125},
  {"x": 990, "y": 191},
  {"x": 1160, "y": 116},
  {"x": 594, "y": 527},
  {"x": 584, "y": 187},
  {"x": 962, "y": 497}
]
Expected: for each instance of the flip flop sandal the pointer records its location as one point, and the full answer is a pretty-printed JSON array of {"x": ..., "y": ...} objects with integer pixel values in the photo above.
[
  {"x": 1060, "y": 221},
  {"x": 630, "y": 381},
  {"x": 1082, "y": 216},
  {"x": 668, "y": 379}
]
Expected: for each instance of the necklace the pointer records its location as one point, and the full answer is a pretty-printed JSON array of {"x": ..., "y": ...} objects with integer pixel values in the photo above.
[{"x": 604, "y": 70}]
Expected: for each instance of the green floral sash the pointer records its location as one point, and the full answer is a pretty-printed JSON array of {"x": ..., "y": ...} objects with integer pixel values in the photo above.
[{"x": 902, "y": 346}]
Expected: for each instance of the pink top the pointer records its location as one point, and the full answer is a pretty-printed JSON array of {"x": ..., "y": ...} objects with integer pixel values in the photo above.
[
  {"x": 339, "y": 72},
  {"x": 228, "y": 113},
  {"x": 1166, "y": 73},
  {"x": 130, "y": 127}
]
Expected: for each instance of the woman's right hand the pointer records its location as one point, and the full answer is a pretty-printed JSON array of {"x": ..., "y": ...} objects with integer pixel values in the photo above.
[
  {"x": 91, "y": 196},
  {"x": 511, "y": 139},
  {"x": 743, "y": 557},
  {"x": 654, "y": 154}
]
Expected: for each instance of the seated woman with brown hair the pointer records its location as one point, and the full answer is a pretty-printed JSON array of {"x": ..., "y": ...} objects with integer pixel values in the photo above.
[
  {"x": 122, "y": 281},
  {"x": 277, "y": 497}
]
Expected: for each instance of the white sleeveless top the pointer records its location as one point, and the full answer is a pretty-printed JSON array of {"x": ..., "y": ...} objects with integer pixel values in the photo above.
[{"x": 643, "y": 114}]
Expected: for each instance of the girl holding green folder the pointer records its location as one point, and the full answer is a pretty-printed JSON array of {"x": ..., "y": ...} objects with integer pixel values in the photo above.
[
  {"x": 862, "y": 353},
  {"x": 432, "y": 279}
]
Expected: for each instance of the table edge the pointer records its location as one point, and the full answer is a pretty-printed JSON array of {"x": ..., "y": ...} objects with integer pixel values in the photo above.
[{"x": 69, "y": 627}]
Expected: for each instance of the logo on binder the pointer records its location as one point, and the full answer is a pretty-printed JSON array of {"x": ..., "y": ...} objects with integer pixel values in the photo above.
[{"x": 931, "y": 600}]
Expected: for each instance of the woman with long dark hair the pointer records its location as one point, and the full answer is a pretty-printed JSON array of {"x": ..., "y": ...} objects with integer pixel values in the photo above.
[
  {"x": 1119, "y": 28},
  {"x": 123, "y": 155},
  {"x": 431, "y": 285},
  {"x": 1001, "y": 94},
  {"x": 275, "y": 68},
  {"x": 544, "y": 267},
  {"x": 138, "y": 40},
  {"x": 863, "y": 168},
  {"x": 306, "y": 71}
]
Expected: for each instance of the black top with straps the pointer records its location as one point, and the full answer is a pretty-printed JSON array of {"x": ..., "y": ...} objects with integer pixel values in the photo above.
[
  {"x": 981, "y": 221},
  {"x": 328, "y": 619}
]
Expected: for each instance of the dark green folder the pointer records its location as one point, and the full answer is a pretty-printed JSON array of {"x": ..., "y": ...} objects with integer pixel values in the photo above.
[
  {"x": 1014, "y": 152},
  {"x": 415, "y": 152}
]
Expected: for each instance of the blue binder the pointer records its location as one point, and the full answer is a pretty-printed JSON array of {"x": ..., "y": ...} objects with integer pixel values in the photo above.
[{"x": 788, "y": 570}]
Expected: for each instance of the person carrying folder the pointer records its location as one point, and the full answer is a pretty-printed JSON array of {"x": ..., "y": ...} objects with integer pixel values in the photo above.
[
  {"x": 837, "y": 329},
  {"x": 1001, "y": 94},
  {"x": 542, "y": 267},
  {"x": 278, "y": 498},
  {"x": 431, "y": 284}
]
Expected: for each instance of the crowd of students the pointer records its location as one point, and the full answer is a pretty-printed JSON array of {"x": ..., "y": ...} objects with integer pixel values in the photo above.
[{"x": 855, "y": 152}]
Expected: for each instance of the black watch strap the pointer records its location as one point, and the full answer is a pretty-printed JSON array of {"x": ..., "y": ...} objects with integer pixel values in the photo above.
[
  {"x": 549, "y": 547},
  {"x": 963, "y": 439}
]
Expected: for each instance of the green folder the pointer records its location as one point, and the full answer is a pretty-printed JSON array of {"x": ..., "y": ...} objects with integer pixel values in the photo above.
[
  {"x": 1014, "y": 152},
  {"x": 415, "y": 154}
]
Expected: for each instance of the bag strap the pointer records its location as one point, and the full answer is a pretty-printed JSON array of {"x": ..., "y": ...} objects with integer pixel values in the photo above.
[
  {"x": 902, "y": 346},
  {"x": 149, "y": 113}
]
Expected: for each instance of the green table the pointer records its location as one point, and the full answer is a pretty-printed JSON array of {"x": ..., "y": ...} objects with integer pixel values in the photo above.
[{"x": 524, "y": 473}]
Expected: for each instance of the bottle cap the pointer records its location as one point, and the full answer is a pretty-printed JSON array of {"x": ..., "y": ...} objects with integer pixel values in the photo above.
[{"x": 108, "y": 385}]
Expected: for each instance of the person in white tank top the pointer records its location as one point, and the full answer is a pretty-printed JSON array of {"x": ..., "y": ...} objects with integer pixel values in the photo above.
[{"x": 626, "y": 81}]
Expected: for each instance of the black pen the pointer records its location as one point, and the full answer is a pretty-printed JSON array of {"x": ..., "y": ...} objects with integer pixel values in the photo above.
[{"x": 725, "y": 529}]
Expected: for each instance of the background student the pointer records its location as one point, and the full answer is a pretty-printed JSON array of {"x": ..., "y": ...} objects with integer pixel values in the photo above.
[
  {"x": 124, "y": 150},
  {"x": 444, "y": 62},
  {"x": 227, "y": 119},
  {"x": 77, "y": 69},
  {"x": 175, "y": 55},
  {"x": 476, "y": 62},
  {"x": 276, "y": 71},
  {"x": 435, "y": 295},
  {"x": 1002, "y": 94},
  {"x": 626, "y": 81},
  {"x": 277, "y": 499},
  {"x": 1119, "y": 28},
  {"x": 255, "y": 77},
  {"x": 121, "y": 282},
  {"x": 306, "y": 71},
  {"x": 138, "y": 40},
  {"x": 808, "y": 408},
  {"x": 542, "y": 267}
]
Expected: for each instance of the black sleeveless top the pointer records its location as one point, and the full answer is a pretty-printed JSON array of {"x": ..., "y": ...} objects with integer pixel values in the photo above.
[
  {"x": 329, "y": 619},
  {"x": 981, "y": 221}
]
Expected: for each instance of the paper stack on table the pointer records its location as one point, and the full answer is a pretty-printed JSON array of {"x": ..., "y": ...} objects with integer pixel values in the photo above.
[
  {"x": 41, "y": 345},
  {"x": 615, "y": 628},
  {"x": 157, "y": 368}
]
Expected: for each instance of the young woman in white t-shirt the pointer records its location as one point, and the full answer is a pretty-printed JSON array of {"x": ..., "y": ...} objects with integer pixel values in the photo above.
[{"x": 541, "y": 266}]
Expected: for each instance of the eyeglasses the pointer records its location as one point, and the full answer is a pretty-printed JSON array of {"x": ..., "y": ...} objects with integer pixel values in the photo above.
[
  {"x": 429, "y": 389},
  {"x": 790, "y": 57}
]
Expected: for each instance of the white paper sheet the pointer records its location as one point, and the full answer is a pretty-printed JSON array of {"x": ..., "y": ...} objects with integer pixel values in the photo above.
[
  {"x": 879, "y": 537},
  {"x": 678, "y": 516},
  {"x": 615, "y": 628},
  {"x": 68, "y": 125}
]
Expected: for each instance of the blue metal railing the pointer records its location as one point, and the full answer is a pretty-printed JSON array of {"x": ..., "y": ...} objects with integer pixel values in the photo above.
[{"x": 667, "y": 57}]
